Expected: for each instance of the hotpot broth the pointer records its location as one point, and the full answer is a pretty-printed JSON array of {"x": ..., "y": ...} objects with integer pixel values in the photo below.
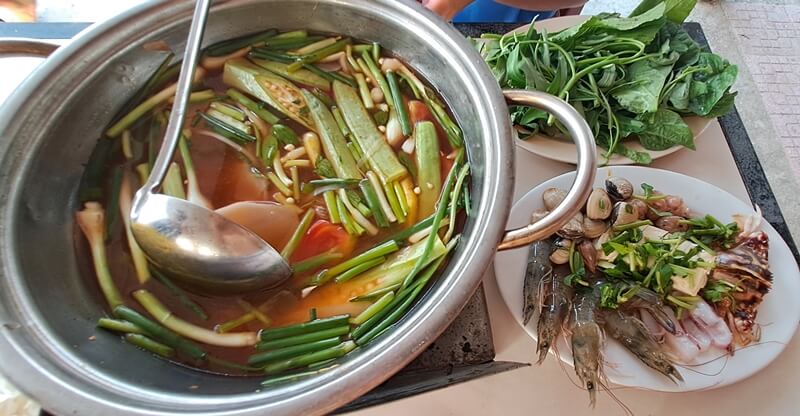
[{"x": 225, "y": 177}]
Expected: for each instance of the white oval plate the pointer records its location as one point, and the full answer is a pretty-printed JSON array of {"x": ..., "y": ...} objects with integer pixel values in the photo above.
[
  {"x": 563, "y": 150},
  {"x": 778, "y": 314}
]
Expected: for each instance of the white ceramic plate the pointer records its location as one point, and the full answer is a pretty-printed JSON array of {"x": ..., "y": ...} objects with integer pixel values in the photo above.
[
  {"x": 778, "y": 314},
  {"x": 564, "y": 150}
]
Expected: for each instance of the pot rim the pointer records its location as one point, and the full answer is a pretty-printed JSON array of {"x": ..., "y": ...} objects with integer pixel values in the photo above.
[{"x": 53, "y": 375}]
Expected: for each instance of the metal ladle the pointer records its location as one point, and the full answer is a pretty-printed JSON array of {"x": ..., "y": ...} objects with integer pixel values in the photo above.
[{"x": 191, "y": 243}]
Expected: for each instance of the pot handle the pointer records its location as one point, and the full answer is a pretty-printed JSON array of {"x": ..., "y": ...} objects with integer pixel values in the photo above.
[
  {"x": 10, "y": 47},
  {"x": 584, "y": 179}
]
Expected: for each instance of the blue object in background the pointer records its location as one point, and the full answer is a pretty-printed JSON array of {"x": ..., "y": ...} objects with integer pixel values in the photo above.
[{"x": 481, "y": 11}]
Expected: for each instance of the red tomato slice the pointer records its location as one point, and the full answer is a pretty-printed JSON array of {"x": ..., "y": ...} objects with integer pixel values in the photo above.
[{"x": 321, "y": 237}]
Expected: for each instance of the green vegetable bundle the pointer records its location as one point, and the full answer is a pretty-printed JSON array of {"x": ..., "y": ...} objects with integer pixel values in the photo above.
[{"x": 630, "y": 77}]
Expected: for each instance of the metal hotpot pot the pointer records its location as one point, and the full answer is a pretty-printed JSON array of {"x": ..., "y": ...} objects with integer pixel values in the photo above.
[{"x": 49, "y": 346}]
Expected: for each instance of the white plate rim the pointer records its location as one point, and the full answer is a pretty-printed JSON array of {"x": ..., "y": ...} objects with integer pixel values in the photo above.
[{"x": 782, "y": 262}]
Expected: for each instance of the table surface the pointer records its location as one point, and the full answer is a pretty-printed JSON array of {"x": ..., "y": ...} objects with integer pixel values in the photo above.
[
  {"x": 551, "y": 388},
  {"x": 548, "y": 388}
]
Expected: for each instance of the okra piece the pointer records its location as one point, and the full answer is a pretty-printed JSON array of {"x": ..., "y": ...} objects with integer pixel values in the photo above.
[
  {"x": 333, "y": 141},
  {"x": 382, "y": 159},
  {"x": 429, "y": 177}
]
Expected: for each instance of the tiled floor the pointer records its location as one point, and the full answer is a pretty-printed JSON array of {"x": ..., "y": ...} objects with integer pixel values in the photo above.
[{"x": 768, "y": 36}]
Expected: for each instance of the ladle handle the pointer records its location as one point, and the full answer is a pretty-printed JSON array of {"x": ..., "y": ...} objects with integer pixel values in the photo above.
[
  {"x": 178, "y": 114},
  {"x": 584, "y": 179}
]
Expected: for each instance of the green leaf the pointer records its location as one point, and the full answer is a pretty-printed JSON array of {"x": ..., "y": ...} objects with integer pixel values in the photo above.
[
  {"x": 643, "y": 96},
  {"x": 675, "y": 10},
  {"x": 679, "y": 96},
  {"x": 710, "y": 85},
  {"x": 642, "y": 158},
  {"x": 622, "y": 24},
  {"x": 666, "y": 129},
  {"x": 628, "y": 126},
  {"x": 679, "y": 42},
  {"x": 643, "y": 27},
  {"x": 723, "y": 106}
]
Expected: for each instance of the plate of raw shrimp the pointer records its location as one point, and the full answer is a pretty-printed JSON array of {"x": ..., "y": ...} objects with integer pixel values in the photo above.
[{"x": 698, "y": 312}]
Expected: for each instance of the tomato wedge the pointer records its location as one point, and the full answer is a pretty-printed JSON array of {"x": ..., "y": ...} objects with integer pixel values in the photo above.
[{"x": 321, "y": 237}]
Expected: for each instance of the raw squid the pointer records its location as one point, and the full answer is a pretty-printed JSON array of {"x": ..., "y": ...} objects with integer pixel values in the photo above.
[{"x": 707, "y": 321}]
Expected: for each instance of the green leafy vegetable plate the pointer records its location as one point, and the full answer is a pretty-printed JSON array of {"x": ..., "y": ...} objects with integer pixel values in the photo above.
[{"x": 562, "y": 149}]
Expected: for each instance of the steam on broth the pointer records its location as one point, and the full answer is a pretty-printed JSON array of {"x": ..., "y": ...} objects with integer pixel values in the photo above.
[{"x": 332, "y": 151}]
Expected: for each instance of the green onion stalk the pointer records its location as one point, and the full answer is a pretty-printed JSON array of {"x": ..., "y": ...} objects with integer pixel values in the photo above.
[
  {"x": 437, "y": 219},
  {"x": 267, "y": 357},
  {"x": 310, "y": 358},
  {"x": 149, "y": 344},
  {"x": 118, "y": 325},
  {"x": 91, "y": 221},
  {"x": 304, "y": 327},
  {"x": 160, "y": 333},
  {"x": 138, "y": 256},
  {"x": 155, "y": 308},
  {"x": 176, "y": 291},
  {"x": 299, "y": 232},
  {"x": 303, "y": 338},
  {"x": 146, "y": 106}
]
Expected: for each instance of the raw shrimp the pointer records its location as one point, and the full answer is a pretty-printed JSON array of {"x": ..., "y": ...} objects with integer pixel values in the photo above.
[
  {"x": 653, "y": 327},
  {"x": 555, "y": 299},
  {"x": 634, "y": 336},
  {"x": 536, "y": 271},
  {"x": 587, "y": 342},
  {"x": 650, "y": 301}
]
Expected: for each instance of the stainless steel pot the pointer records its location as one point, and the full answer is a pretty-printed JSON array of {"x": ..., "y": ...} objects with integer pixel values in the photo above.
[{"x": 48, "y": 341}]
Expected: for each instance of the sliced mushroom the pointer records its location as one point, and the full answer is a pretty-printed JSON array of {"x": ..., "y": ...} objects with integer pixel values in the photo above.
[
  {"x": 598, "y": 206},
  {"x": 619, "y": 188},
  {"x": 624, "y": 213},
  {"x": 593, "y": 228},
  {"x": 552, "y": 197},
  {"x": 573, "y": 228}
]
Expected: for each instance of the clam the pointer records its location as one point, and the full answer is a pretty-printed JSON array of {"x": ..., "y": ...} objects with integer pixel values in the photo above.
[
  {"x": 619, "y": 188},
  {"x": 641, "y": 207},
  {"x": 624, "y": 213},
  {"x": 593, "y": 228},
  {"x": 589, "y": 254},
  {"x": 552, "y": 197},
  {"x": 538, "y": 215},
  {"x": 671, "y": 223},
  {"x": 561, "y": 254},
  {"x": 598, "y": 206},
  {"x": 573, "y": 228}
]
